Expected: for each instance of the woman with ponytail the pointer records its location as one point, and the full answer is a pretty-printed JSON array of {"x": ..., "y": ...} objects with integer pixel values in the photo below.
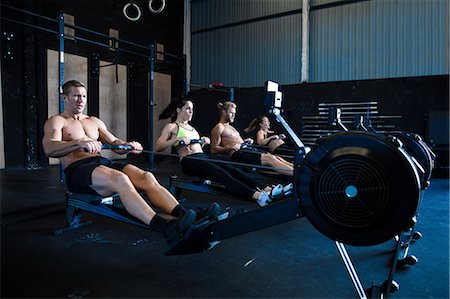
[{"x": 265, "y": 136}]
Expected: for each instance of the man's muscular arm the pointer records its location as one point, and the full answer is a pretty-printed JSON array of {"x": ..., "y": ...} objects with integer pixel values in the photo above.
[
  {"x": 108, "y": 138},
  {"x": 55, "y": 147},
  {"x": 216, "y": 140}
]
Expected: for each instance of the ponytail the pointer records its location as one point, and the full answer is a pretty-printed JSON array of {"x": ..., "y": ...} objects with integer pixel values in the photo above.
[
  {"x": 251, "y": 126},
  {"x": 254, "y": 123},
  {"x": 171, "y": 110}
]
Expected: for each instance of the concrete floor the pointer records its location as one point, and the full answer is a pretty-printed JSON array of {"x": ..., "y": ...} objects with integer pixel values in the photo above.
[{"x": 114, "y": 260}]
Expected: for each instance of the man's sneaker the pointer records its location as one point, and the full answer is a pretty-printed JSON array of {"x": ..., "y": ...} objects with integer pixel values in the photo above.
[
  {"x": 288, "y": 188},
  {"x": 211, "y": 213},
  {"x": 276, "y": 191},
  {"x": 264, "y": 199},
  {"x": 175, "y": 229},
  {"x": 213, "y": 210}
]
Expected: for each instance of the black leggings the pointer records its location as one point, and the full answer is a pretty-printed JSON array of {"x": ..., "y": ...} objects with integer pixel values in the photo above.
[{"x": 236, "y": 182}]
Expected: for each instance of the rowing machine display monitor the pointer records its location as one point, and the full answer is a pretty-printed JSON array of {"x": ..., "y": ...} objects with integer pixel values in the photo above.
[
  {"x": 271, "y": 86},
  {"x": 274, "y": 96}
]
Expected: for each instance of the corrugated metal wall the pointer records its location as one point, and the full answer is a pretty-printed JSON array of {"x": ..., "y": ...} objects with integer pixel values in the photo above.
[
  {"x": 244, "y": 43},
  {"x": 379, "y": 39},
  {"x": 245, "y": 54}
]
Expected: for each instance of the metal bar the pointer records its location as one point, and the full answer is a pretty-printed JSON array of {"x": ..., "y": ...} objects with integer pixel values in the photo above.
[
  {"x": 150, "y": 105},
  {"x": 387, "y": 116},
  {"x": 185, "y": 78},
  {"x": 169, "y": 54},
  {"x": 305, "y": 42},
  {"x": 61, "y": 78},
  {"x": 351, "y": 270},
  {"x": 368, "y": 109},
  {"x": 75, "y": 37},
  {"x": 107, "y": 65},
  {"x": 348, "y": 103},
  {"x": 185, "y": 185},
  {"x": 80, "y": 28},
  {"x": 289, "y": 130},
  {"x": 276, "y": 213},
  {"x": 103, "y": 210},
  {"x": 106, "y": 36},
  {"x": 223, "y": 89},
  {"x": 278, "y": 15},
  {"x": 187, "y": 39},
  {"x": 105, "y": 45},
  {"x": 30, "y": 13},
  {"x": 314, "y": 117},
  {"x": 167, "y": 62},
  {"x": 30, "y": 25}
]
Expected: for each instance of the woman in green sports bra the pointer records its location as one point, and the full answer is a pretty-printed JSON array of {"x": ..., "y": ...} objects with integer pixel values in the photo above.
[{"x": 184, "y": 139}]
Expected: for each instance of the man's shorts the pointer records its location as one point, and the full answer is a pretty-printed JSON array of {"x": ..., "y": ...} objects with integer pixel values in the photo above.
[
  {"x": 79, "y": 173},
  {"x": 247, "y": 156}
]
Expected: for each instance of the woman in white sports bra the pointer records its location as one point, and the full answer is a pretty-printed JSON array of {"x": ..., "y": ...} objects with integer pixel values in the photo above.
[{"x": 186, "y": 141}]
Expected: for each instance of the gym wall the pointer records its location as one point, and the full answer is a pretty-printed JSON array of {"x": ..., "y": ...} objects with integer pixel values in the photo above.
[
  {"x": 25, "y": 93},
  {"x": 244, "y": 43},
  {"x": 412, "y": 98}
]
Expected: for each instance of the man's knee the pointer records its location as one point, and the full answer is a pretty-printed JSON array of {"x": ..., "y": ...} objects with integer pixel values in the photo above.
[
  {"x": 268, "y": 159},
  {"x": 149, "y": 177},
  {"x": 149, "y": 180},
  {"x": 119, "y": 180}
]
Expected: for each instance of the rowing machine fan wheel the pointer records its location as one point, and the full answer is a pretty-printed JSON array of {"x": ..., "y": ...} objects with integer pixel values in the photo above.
[{"x": 358, "y": 188}]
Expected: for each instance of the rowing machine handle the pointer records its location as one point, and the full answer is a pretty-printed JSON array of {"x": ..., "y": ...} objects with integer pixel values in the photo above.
[
  {"x": 200, "y": 141},
  {"x": 121, "y": 147}
]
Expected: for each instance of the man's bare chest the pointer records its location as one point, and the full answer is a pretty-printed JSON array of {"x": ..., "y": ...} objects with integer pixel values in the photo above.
[
  {"x": 230, "y": 132},
  {"x": 75, "y": 129}
]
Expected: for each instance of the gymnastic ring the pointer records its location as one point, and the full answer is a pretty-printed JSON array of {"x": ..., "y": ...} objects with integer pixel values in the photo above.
[
  {"x": 126, "y": 6},
  {"x": 163, "y": 5}
]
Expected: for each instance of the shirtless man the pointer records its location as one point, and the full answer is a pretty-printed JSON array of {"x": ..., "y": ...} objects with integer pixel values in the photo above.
[
  {"x": 226, "y": 139},
  {"x": 76, "y": 139}
]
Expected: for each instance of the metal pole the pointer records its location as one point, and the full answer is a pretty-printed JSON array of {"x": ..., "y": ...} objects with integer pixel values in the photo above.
[
  {"x": 185, "y": 80},
  {"x": 150, "y": 105},
  {"x": 61, "y": 77},
  {"x": 187, "y": 42},
  {"x": 351, "y": 270},
  {"x": 305, "y": 41},
  {"x": 287, "y": 127}
]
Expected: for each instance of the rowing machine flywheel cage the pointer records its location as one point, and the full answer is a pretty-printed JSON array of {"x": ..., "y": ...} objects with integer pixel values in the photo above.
[
  {"x": 420, "y": 151},
  {"x": 359, "y": 188}
]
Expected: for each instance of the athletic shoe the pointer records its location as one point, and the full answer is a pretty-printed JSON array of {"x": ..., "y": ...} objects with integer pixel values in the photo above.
[
  {"x": 279, "y": 192},
  {"x": 264, "y": 199},
  {"x": 288, "y": 188},
  {"x": 211, "y": 213},
  {"x": 276, "y": 191},
  {"x": 213, "y": 210},
  {"x": 175, "y": 229}
]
